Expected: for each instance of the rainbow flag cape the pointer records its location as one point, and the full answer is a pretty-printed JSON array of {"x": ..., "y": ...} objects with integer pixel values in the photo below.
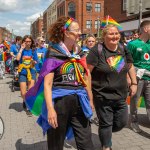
[
  {"x": 141, "y": 102},
  {"x": 108, "y": 20}
]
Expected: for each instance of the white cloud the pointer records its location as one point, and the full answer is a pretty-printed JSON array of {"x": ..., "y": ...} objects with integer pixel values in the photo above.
[
  {"x": 17, "y": 15},
  {"x": 34, "y": 16},
  {"x": 8, "y": 5}
]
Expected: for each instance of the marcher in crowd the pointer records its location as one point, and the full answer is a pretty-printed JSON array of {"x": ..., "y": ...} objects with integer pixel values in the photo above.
[
  {"x": 68, "y": 98},
  {"x": 140, "y": 50},
  {"x": 41, "y": 52},
  {"x": 90, "y": 41},
  {"x": 109, "y": 64},
  {"x": 14, "y": 49},
  {"x": 27, "y": 58}
]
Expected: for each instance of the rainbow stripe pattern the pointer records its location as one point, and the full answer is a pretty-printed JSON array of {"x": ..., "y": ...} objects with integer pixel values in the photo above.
[
  {"x": 68, "y": 67},
  {"x": 108, "y": 20},
  {"x": 141, "y": 102},
  {"x": 116, "y": 62},
  {"x": 67, "y": 24}
]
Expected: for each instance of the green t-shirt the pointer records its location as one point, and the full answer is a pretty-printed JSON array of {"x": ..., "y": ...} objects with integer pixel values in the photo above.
[{"x": 140, "y": 52}]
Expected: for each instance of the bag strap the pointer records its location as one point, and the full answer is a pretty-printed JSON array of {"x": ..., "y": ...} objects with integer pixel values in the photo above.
[{"x": 100, "y": 48}]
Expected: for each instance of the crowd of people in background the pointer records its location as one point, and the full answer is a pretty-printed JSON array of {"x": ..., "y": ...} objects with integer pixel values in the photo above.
[{"x": 78, "y": 76}]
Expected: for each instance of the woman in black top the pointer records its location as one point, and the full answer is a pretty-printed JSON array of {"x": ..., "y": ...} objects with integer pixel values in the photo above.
[{"x": 109, "y": 64}]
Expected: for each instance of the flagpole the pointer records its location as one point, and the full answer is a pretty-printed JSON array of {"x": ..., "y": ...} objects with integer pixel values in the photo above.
[{"x": 107, "y": 20}]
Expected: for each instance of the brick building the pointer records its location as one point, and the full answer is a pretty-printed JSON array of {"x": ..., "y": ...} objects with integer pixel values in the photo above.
[
  {"x": 45, "y": 28},
  {"x": 86, "y": 12},
  {"x": 5, "y": 34},
  {"x": 37, "y": 28}
]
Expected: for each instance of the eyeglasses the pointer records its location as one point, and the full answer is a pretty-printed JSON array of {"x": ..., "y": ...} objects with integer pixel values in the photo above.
[
  {"x": 28, "y": 41},
  {"x": 75, "y": 30},
  {"x": 91, "y": 41}
]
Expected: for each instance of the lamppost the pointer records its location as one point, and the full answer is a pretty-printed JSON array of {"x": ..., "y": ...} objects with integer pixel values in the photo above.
[
  {"x": 90, "y": 16},
  {"x": 140, "y": 12},
  {"x": 98, "y": 27}
]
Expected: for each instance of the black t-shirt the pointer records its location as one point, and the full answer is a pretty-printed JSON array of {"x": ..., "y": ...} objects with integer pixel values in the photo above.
[
  {"x": 109, "y": 73},
  {"x": 64, "y": 75}
]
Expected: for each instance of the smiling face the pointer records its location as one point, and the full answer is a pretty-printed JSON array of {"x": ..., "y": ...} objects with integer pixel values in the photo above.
[{"x": 112, "y": 36}]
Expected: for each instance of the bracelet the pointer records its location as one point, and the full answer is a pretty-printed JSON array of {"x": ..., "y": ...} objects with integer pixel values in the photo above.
[{"x": 134, "y": 84}]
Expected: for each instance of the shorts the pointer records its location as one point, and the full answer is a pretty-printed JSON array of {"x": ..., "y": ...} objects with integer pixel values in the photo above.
[{"x": 23, "y": 78}]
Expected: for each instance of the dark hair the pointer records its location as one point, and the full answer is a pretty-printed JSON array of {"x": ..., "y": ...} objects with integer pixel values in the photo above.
[
  {"x": 56, "y": 32},
  {"x": 32, "y": 41},
  {"x": 18, "y": 38}
]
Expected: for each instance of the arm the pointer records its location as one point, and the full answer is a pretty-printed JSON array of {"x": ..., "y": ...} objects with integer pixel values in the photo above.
[
  {"x": 133, "y": 86},
  {"x": 88, "y": 88},
  {"x": 52, "y": 116},
  {"x": 20, "y": 51}
]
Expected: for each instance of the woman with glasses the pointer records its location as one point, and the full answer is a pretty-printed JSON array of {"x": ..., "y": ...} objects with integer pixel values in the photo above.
[
  {"x": 63, "y": 83},
  {"x": 109, "y": 64},
  {"x": 27, "y": 58},
  {"x": 41, "y": 52}
]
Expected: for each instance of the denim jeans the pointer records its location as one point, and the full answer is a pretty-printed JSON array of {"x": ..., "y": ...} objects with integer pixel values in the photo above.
[
  {"x": 144, "y": 90},
  {"x": 69, "y": 113},
  {"x": 113, "y": 116}
]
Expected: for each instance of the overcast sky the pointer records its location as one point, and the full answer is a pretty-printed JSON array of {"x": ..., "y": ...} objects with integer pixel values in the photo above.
[{"x": 17, "y": 15}]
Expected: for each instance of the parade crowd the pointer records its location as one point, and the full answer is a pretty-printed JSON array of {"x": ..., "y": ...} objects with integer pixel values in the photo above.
[{"x": 64, "y": 82}]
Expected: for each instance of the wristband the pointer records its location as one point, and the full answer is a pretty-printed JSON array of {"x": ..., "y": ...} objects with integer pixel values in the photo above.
[{"x": 134, "y": 84}]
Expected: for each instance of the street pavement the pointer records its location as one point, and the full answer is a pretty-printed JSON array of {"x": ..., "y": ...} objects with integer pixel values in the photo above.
[{"x": 22, "y": 132}]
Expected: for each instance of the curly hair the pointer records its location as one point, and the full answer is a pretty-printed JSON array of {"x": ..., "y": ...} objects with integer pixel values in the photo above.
[{"x": 56, "y": 33}]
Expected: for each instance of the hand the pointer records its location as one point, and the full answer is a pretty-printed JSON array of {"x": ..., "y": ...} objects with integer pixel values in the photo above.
[
  {"x": 133, "y": 90},
  {"x": 92, "y": 106},
  {"x": 23, "y": 45},
  {"x": 52, "y": 118}
]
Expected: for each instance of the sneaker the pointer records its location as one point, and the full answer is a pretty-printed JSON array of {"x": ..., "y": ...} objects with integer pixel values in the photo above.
[
  {"x": 29, "y": 113},
  {"x": 135, "y": 127},
  {"x": 24, "y": 106}
]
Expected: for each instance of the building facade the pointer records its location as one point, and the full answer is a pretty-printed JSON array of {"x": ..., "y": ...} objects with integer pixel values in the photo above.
[
  {"x": 86, "y": 12},
  {"x": 37, "y": 28},
  {"x": 5, "y": 34},
  {"x": 118, "y": 11}
]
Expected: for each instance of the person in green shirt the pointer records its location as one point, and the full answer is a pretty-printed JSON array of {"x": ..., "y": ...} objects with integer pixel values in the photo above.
[{"x": 140, "y": 50}]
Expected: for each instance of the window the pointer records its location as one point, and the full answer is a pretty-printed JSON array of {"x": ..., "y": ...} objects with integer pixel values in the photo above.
[
  {"x": 97, "y": 7},
  {"x": 88, "y": 24},
  {"x": 72, "y": 9},
  {"x": 124, "y": 5},
  {"x": 97, "y": 23},
  {"x": 88, "y": 6}
]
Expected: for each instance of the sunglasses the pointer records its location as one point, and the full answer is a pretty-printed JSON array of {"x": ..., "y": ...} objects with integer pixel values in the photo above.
[{"x": 42, "y": 41}]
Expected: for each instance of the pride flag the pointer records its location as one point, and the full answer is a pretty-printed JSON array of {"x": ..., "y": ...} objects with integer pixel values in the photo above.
[
  {"x": 108, "y": 20},
  {"x": 141, "y": 102}
]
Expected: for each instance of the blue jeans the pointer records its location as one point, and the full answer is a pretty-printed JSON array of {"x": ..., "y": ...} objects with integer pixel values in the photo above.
[
  {"x": 144, "y": 90},
  {"x": 23, "y": 78}
]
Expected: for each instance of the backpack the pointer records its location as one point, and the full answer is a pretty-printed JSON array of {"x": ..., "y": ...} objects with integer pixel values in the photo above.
[{"x": 100, "y": 48}]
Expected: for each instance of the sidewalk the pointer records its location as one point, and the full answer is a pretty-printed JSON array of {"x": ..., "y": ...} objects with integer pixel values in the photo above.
[{"x": 22, "y": 132}]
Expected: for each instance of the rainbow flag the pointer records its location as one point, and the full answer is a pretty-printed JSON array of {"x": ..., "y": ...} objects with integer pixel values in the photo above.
[
  {"x": 108, "y": 20},
  {"x": 141, "y": 102}
]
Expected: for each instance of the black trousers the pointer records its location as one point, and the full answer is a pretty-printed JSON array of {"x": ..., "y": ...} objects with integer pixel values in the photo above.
[
  {"x": 69, "y": 112},
  {"x": 113, "y": 116}
]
